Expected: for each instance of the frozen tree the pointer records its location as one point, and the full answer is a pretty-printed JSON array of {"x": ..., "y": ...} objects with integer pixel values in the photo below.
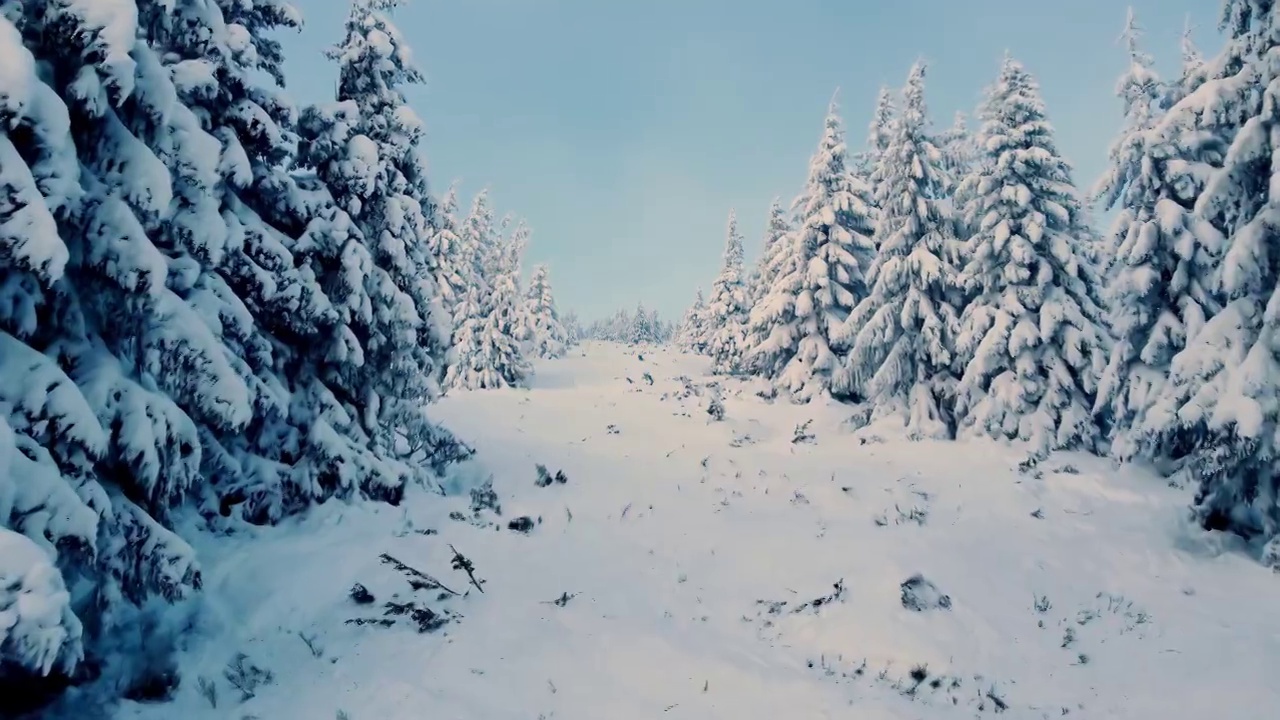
[
  {"x": 1162, "y": 256},
  {"x": 549, "y": 336},
  {"x": 958, "y": 150},
  {"x": 446, "y": 246},
  {"x": 1032, "y": 339},
  {"x": 641, "y": 330},
  {"x": 727, "y": 309},
  {"x": 776, "y": 230},
  {"x": 692, "y": 332},
  {"x": 573, "y": 329},
  {"x": 878, "y": 134},
  {"x": 817, "y": 276},
  {"x": 365, "y": 149},
  {"x": 900, "y": 337},
  {"x": 523, "y": 325},
  {"x": 1223, "y": 387},
  {"x": 486, "y": 351},
  {"x": 1193, "y": 69}
]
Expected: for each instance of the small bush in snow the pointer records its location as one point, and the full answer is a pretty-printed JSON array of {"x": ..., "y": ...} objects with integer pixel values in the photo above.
[{"x": 246, "y": 677}]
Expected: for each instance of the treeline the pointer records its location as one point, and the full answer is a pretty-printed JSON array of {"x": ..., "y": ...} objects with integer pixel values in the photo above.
[{"x": 952, "y": 283}]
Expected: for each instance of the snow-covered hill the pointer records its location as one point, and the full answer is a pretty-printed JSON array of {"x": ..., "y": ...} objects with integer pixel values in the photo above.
[{"x": 743, "y": 568}]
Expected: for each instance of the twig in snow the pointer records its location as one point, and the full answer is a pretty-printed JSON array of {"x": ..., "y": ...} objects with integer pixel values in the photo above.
[
  {"x": 624, "y": 511},
  {"x": 460, "y": 562},
  {"x": 568, "y": 513},
  {"x": 561, "y": 601},
  {"x": 316, "y": 651},
  {"x": 418, "y": 580}
]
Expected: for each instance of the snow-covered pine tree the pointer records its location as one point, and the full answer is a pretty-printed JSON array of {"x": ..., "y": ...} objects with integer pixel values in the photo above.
[
  {"x": 640, "y": 330},
  {"x": 900, "y": 338},
  {"x": 109, "y": 371},
  {"x": 365, "y": 148},
  {"x": 776, "y": 231},
  {"x": 446, "y": 246},
  {"x": 1223, "y": 386},
  {"x": 957, "y": 147},
  {"x": 817, "y": 277},
  {"x": 1159, "y": 293},
  {"x": 1032, "y": 340},
  {"x": 522, "y": 326},
  {"x": 550, "y": 338},
  {"x": 692, "y": 333},
  {"x": 573, "y": 330},
  {"x": 879, "y": 134},
  {"x": 485, "y": 352},
  {"x": 1193, "y": 69},
  {"x": 657, "y": 328},
  {"x": 727, "y": 309}
]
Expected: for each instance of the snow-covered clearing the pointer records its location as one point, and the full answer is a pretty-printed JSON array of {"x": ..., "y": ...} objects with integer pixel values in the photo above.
[{"x": 684, "y": 552}]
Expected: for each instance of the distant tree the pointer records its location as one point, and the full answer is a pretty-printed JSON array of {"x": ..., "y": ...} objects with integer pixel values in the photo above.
[{"x": 727, "y": 309}]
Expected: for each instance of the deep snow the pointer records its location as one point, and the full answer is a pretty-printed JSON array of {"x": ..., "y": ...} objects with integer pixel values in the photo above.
[{"x": 688, "y": 548}]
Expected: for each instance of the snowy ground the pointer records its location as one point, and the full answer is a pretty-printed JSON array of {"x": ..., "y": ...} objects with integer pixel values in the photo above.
[{"x": 691, "y": 553}]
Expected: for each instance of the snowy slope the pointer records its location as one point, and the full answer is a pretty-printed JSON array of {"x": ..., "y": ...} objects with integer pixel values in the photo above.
[{"x": 689, "y": 549}]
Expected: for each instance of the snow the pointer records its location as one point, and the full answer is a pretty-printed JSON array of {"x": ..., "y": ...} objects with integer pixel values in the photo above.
[
  {"x": 37, "y": 628},
  {"x": 689, "y": 554}
]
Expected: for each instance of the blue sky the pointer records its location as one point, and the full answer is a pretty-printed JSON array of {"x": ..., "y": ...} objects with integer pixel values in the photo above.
[{"x": 625, "y": 131}]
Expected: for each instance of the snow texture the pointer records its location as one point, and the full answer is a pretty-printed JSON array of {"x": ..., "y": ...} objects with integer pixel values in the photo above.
[{"x": 680, "y": 574}]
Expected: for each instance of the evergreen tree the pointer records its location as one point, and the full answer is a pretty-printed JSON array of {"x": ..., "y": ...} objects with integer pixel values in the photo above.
[
  {"x": 692, "y": 334},
  {"x": 958, "y": 150},
  {"x": 879, "y": 134},
  {"x": 550, "y": 337},
  {"x": 523, "y": 328},
  {"x": 1159, "y": 281},
  {"x": 364, "y": 147},
  {"x": 641, "y": 329},
  {"x": 776, "y": 231},
  {"x": 486, "y": 353},
  {"x": 900, "y": 337},
  {"x": 1032, "y": 340},
  {"x": 817, "y": 277},
  {"x": 447, "y": 247},
  {"x": 1223, "y": 386},
  {"x": 727, "y": 309},
  {"x": 573, "y": 330}
]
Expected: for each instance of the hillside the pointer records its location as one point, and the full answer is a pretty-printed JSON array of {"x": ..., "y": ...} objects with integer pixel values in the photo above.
[{"x": 700, "y": 569}]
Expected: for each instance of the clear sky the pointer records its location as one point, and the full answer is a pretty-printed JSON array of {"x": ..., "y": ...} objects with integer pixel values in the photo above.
[{"x": 625, "y": 131}]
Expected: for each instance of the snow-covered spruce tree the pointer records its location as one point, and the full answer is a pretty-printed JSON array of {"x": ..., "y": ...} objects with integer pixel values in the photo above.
[
  {"x": 486, "y": 352},
  {"x": 522, "y": 325},
  {"x": 109, "y": 371},
  {"x": 727, "y": 309},
  {"x": 573, "y": 330},
  {"x": 957, "y": 147},
  {"x": 878, "y": 135},
  {"x": 900, "y": 338},
  {"x": 817, "y": 276},
  {"x": 641, "y": 329},
  {"x": 549, "y": 336},
  {"x": 447, "y": 247},
  {"x": 1223, "y": 386},
  {"x": 1194, "y": 70},
  {"x": 691, "y": 335},
  {"x": 776, "y": 232},
  {"x": 1032, "y": 340},
  {"x": 1159, "y": 293},
  {"x": 365, "y": 149}
]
